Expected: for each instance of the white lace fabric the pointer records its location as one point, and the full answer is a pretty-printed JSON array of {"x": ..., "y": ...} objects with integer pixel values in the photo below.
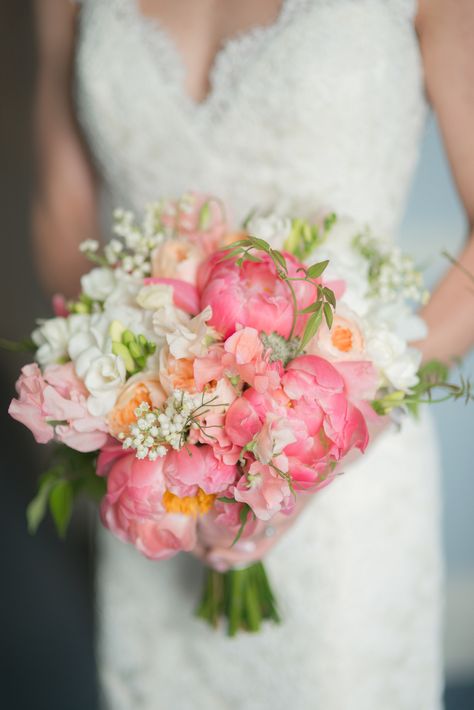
[{"x": 323, "y": 109}]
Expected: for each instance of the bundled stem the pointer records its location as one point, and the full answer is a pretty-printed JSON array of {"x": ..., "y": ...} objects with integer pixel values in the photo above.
[{"x": 241, "y": 598}]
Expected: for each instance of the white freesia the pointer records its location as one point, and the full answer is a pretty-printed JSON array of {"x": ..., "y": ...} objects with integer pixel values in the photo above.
[
  {"x": 399, "y": 318},
  {"x": 125, "y": 290},
  {"x": 273, "y": 228},
  {"x": 99, "y": 283},
  {"x": 155, "y": 296},
  {"x": 345, "y": 264},
  {"x": 52, "y": 337},
  {"x": 104, "y": 379}
]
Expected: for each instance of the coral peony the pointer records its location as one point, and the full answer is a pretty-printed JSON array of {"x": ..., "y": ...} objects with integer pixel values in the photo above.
[{"x": 252, "y": 295}]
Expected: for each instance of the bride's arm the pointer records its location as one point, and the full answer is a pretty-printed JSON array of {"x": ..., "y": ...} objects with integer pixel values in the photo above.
[
  {"x": 446, "y": 31},
  {"x": 64, "y": 201}
]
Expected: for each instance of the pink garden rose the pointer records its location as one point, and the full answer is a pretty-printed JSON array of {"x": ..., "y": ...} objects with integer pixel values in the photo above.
[
  {"x": 241, "y": 356},
  {"x": 252, "y": 295},
  {"x": 29, "y": 407},
  {"x": 134, "y": 509},
  {"x": 54, "y": 405}
]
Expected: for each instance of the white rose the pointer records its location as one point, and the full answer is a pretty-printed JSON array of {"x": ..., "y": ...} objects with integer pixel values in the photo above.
[
  {"x": 398, "y": 363},
  {"x": 104, "y": 379},
  {"x": 155, "y": 296},
  {"x": 53, "y": 337},
  {"x": 98, "y": 284}
]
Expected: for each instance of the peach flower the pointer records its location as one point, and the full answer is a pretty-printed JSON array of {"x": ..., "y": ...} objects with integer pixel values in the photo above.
[
  {"x": 177, "y": 259},
  {"x": 142, "y": 387}
]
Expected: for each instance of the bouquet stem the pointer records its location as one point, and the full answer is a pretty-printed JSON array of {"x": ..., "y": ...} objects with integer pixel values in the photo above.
[{"x": 242, "y": 598}]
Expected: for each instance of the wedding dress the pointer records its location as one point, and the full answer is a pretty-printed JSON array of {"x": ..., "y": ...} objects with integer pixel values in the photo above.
[{"x": 325, "y": 107}]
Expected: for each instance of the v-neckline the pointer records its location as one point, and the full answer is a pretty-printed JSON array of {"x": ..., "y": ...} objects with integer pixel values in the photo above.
[{"x": 159, "y": 35}]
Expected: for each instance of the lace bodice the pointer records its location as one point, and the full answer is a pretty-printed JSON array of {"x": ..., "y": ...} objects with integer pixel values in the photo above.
[{"x": 322, "y": 109}]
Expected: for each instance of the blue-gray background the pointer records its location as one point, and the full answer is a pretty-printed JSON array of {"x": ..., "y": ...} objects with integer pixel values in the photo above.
[{"x": 434, "y": 221}]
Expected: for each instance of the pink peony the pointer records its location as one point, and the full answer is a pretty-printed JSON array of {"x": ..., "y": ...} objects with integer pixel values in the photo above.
[
  {"x": 252, "y": 295},
  {"x": 134, "y": 509},
  {"x": 310, "y": 421}
]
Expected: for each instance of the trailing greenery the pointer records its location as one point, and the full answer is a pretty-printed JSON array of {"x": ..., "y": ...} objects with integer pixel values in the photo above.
[{"x": 73, "y": 473}]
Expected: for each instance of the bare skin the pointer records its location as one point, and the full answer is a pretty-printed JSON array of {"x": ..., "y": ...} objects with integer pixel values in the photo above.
[{"x": 65, "y": 203}]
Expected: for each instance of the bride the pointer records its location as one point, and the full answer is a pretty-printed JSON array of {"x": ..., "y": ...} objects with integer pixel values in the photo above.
[{"x": 282, "y": 104}]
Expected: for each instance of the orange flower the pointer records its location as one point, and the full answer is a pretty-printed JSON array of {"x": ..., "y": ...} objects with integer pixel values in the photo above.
[{"x": 139, "y": 388}]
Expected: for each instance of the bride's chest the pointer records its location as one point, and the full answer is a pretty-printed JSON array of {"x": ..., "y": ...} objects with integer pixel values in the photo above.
[{"x": 331, "y": 83}]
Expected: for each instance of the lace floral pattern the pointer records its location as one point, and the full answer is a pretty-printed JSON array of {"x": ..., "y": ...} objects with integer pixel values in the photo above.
[{"x": 324, "y": 108}]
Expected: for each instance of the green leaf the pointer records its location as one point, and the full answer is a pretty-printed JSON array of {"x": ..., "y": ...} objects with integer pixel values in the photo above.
[
  {"x": 328, "y": 314},
  {"x": 93, "y": 486},
  {"x": 36, "y": 509},
  {"x": 316, "y": 270},
  {"x": 329, "y": 295},
  {"x": 226, "y": 499},
  {"x": 311, "y": 329},
  {"x": 239, "y": 243},
  {"x": 250, "y": 257},
  {"x": 231, "y": 254},
  {"x": 21, "y": 346},
  {"x": 313, "y": 308},
  {"x": 277, "y": 256},
  {"x": 260, "y": 244},
  {"x": 243, "y": 517},
  {"x": 60, "y": 504}
]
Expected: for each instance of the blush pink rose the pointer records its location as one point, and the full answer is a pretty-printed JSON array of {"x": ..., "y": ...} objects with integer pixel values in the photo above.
[
  {"x": 65, "y": 399},
  {"x": 133, "y": 509},
  {"x": 29, "y": 407},
  {"x": 252, "y": 295},
  {"x": 57, "y": 396}
]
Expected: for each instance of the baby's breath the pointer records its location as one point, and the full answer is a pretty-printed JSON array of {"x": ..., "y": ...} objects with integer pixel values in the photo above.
[{"x": 155, "y": 431}]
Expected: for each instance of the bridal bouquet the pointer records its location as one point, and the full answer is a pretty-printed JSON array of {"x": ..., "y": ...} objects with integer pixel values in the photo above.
[{"x": 204, "y": 381}]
